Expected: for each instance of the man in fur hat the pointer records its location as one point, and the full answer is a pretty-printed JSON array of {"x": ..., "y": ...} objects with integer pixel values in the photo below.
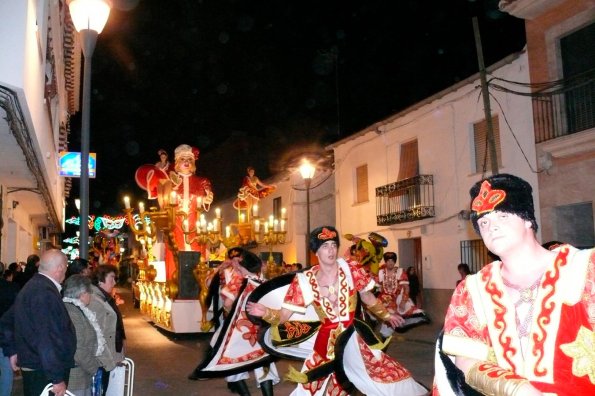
[
  {"x": 522, "y": 325},
  {"x": 346, "y": 353}
]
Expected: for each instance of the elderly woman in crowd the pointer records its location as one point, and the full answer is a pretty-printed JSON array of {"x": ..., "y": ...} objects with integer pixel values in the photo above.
[
  {"x": 90, "y": 342},
  {"x": 109, "y": 318}
]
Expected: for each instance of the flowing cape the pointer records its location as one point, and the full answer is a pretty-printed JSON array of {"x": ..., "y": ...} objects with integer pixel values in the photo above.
[{"x": 234, "y": 347}]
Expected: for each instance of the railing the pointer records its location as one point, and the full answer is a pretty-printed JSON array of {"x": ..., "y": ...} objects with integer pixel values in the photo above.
[
  {"x": 405, "y": 201},
  {"x": 565, "y": 112}
]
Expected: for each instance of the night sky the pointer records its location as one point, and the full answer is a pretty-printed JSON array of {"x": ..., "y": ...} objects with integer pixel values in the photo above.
[{"x": 260, "y": 82}]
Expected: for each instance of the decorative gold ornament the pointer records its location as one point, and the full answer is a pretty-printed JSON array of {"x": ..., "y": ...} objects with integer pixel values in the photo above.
[{"x": 582, "y": 352}]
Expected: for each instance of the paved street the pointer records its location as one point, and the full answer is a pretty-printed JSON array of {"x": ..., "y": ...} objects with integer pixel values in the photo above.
[{"x": 164, "y": 360}]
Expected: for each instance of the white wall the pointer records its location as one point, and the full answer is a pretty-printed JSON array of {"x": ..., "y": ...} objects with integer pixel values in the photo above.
[{"x": 443, "y": 127}]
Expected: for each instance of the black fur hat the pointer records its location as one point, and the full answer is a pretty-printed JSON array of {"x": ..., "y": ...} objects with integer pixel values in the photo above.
[
  {"x": 503, "y": 193},
  {"x": 322, "y": 234},
  {"x": 251, "y": 262}
]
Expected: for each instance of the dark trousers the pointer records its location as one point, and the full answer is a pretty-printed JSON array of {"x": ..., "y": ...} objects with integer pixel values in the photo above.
[{"x": 35, "y": 381}]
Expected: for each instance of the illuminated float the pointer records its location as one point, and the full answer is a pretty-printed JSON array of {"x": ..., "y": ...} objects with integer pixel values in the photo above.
[{"x": 181, "y": 248}]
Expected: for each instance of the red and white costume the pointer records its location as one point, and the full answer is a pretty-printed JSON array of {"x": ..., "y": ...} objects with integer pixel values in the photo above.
[
  {"x": 188, "y": 191},
  {"x": 370, "y": 370},
  {"x": 558, "y": 354},
  {"x": 235, "y": 344}
]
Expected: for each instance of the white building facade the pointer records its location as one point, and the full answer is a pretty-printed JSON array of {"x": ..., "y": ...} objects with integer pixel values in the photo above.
[
  {"x": 39, "y": 90},
  {"x": 408, "y": 177}
]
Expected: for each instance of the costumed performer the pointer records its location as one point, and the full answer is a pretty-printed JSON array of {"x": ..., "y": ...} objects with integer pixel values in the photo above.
[
  {"x": 369, "y": 252},
  {"x": 234, "y": 347},
  {"x": 523, "y": 325},
  {"x": 346, "y": 353},
  {"x": 394, "y": 294},
  {"x": 163, "y": 162},
  {"x": 252, "y": 191}
]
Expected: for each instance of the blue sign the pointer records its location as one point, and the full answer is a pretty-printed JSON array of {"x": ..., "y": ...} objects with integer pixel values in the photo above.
[{"x": 70, "y": 164}]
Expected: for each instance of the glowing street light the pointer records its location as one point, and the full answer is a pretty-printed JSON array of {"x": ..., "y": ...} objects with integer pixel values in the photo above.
[
  {"x": 89, "y": 17},
  {"x": 307, "y": 171}
]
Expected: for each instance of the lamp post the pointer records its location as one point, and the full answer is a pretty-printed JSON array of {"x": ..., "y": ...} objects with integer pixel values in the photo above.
[
  {"x": 89, "y": 18},
  {"x": 307, "y": 171}
]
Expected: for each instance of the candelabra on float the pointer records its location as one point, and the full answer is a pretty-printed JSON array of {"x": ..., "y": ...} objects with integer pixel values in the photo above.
[
  {"x": 145, "y": 226},
  {"x": 252, "y": 230},
  {"x": 271, "y": 232}
]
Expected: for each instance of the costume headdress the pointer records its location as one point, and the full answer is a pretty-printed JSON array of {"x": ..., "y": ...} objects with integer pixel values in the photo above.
[
  {"x": 322, "y": 235},
  {"x": 390, "y": 256},
  {"x": 502, "y": 193},
  {"x": 234, "y": 252},
  {"x": 184, "y": 149},
  {"x": 251, "y": 262}
]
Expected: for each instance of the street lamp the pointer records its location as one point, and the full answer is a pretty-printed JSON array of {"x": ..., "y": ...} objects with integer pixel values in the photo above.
[
  {"x": 307, "y": 171},
  {"x": 89, "y": 18}
]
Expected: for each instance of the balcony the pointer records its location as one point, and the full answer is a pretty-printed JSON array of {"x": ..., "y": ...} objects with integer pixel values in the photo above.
[
  {"x": 405, "y": 201},
  {"x": 565, "y": 111}
]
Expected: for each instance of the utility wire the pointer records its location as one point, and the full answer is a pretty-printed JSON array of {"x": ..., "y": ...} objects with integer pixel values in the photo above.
[{"x": 514, "y": 136}]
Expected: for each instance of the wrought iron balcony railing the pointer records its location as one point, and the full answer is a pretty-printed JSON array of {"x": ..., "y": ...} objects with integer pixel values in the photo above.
[
  {"x": 405, "y": 201},
  {"x": 565, "y": 111}
]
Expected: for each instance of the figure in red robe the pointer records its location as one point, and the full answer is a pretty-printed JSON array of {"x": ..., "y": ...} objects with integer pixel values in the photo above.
[{"x": 184, "y": 189}]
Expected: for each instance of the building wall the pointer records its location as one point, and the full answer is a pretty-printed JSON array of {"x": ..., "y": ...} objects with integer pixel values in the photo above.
[
  {"x": 443, "y": 126},
  {"x": 24, "y": 29},
  {"x": 569, "y": 181},
  {"x": 543, "y": 33},
  {"x": 569, "y": 178}
]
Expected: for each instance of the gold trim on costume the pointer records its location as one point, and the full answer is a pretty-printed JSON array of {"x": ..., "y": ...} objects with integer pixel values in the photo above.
[
  {"x": 379, "y": 310},
  {"x": 492, "y": 380},
  {"x": 272, "y": 316}
]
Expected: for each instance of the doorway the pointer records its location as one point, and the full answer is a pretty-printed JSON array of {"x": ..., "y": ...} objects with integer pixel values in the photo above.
[{"x": 410, "y": 255}]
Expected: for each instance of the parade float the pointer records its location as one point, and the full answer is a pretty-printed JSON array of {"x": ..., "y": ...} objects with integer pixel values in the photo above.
[{"x": 181, "y": 249}]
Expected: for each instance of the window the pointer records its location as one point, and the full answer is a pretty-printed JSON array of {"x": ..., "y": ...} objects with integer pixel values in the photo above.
[
  {"x": 408, "y": 168},
  {"x": 409, "y": 162},
  {"x": 578, "y": 58},
  {"x": 574, "y": 224},
  {"x": 482, "y": 154},
  {"x": 475, "y": 254},
  {"x": 361, "y": 182},
  {"x": 277, "y": 207}
]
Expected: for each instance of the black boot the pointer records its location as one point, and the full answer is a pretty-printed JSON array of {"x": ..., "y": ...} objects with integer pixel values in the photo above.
[
  {"x": 266, "y": 387},
  {"x": 239, "y": 387}
]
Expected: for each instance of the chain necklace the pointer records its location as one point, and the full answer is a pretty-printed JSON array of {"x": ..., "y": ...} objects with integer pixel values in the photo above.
[{"x": 527, "y": 295}]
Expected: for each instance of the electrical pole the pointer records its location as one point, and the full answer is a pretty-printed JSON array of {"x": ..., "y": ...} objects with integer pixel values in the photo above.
[{"x": 486, "y": 99}]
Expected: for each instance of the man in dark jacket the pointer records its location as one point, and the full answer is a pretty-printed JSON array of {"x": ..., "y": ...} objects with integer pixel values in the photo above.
[
  {"x": 44, "y": 337},
  {"x": 8, "y": 293}
]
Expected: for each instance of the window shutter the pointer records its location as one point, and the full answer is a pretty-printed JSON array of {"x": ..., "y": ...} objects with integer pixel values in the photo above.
[
  {"x": 409, "y": 162},
  {"x": 361, "y": 177}
]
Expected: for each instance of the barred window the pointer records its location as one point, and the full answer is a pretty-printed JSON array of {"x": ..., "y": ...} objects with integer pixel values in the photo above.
[{"x": 475, "y": 254}]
